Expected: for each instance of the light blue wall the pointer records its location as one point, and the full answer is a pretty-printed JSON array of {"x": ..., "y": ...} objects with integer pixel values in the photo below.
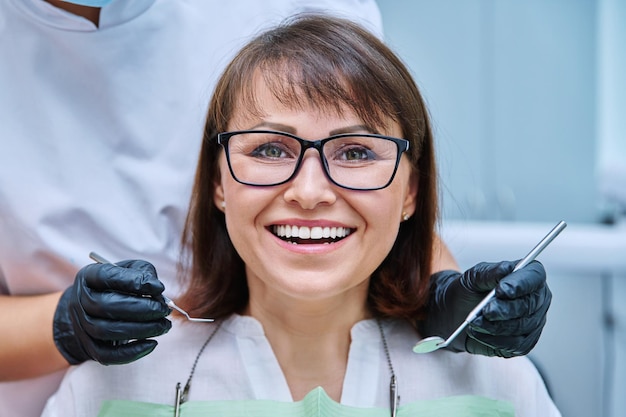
[
  {"x": 528, "y": 103},
  {"x": 612, "y": 101},
  {"x": 511, "y": 86}
]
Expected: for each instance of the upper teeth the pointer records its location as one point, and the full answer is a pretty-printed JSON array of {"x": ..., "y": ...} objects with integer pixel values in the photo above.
[{"x": 316, "y": 232}]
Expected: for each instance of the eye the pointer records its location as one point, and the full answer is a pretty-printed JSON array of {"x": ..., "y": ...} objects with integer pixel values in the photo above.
[
  {"x": 271, "y": 150},
  {"x": 272, "y": 147},
  {"x": 355, "y": 153}
]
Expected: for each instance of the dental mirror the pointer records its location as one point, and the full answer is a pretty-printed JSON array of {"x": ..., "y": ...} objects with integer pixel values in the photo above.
[
  {"x": 99, "y": 259},
  {"x": 430, "y": 344}
]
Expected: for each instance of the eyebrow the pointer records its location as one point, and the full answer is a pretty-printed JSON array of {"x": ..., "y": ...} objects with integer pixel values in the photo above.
[{"x": 290, "y": 129}]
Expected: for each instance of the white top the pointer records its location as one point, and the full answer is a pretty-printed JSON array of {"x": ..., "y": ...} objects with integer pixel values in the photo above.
[
  {"x": 239, "y": 364},
  {"x": 100, "y": 130}
]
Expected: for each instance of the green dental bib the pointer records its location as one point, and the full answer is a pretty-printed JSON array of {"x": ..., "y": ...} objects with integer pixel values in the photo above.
[{"x": 316, "y": 404}]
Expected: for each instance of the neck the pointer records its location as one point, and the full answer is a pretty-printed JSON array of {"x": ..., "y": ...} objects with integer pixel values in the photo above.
[{"x": 310, "y": 340}]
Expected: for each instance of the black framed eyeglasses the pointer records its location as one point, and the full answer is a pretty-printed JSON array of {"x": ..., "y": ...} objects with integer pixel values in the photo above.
[{"x": 355, "y": 161}]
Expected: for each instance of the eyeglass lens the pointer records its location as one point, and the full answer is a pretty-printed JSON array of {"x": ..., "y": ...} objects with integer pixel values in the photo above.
[{"x": 354, "y": 161}]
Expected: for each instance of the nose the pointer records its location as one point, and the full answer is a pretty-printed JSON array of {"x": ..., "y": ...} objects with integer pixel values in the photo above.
[{"x": 310, "y": 187}]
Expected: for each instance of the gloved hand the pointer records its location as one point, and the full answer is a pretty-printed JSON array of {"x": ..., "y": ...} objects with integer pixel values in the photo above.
[
  {"x": 109, "y": 313},
  {"x": 509, "y": 325}
]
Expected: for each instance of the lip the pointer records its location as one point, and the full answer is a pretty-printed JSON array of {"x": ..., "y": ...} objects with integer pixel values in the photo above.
[{"x": 316, "y": 226}]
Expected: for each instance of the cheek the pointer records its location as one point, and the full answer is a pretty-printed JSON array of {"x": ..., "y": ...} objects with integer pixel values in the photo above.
[
  {"x": 239, "y": 216},
  {"x": 244, "y": 206},
  {"x": 384, "y": 217},
  {"x": 233, "y": 194},
  {"x": 381, "y": 212}
]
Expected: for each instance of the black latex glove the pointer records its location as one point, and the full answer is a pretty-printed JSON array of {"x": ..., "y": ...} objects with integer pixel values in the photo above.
[
  {"x": 109, "y": 313},
  {"x": 509, "y": 325}
]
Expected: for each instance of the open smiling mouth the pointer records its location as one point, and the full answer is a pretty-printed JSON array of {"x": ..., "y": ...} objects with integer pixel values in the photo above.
[{"x": 303, "y": 235}]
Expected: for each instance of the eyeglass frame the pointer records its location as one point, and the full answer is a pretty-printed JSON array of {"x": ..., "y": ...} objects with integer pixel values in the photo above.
[{"x": 401, "y": 144}]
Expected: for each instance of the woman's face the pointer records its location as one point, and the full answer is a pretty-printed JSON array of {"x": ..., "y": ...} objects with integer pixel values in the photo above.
[{"x": 311, "y": 269}]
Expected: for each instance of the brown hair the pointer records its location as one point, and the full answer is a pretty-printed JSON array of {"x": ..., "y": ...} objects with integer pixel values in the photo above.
[{"x": 327, "y": 63}]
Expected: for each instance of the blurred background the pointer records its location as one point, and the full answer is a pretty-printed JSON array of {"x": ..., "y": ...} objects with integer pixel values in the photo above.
[{"x": 528, "y": 102}]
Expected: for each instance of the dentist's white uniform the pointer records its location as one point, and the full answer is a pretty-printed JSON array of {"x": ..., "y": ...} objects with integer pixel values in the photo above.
[{"x": 100, "y": 130}]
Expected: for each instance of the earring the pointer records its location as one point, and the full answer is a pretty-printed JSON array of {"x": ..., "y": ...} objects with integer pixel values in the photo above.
[
  {"x": 223, "y": 204},
  {"x": 405, "y": 216}
]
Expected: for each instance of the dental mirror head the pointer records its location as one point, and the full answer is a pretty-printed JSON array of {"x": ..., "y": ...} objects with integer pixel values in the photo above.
[{"x": 430, "y": 344}]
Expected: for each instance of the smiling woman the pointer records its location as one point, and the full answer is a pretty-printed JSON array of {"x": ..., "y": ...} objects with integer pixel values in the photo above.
[
  {"x": 310, "y": 240},
  {"x": 347, "y": 113}
]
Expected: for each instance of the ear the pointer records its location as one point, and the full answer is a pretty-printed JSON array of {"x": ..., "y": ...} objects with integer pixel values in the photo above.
[
  {"x": 218, "y": 196},
  {"x": 410, "y": 199}
]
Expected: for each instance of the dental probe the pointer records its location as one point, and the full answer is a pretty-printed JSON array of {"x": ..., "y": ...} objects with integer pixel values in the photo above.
[{"x": 170, "y": 303}]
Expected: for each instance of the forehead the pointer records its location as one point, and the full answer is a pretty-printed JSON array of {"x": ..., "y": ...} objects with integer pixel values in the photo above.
[{"x": 270, "y": 92}]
